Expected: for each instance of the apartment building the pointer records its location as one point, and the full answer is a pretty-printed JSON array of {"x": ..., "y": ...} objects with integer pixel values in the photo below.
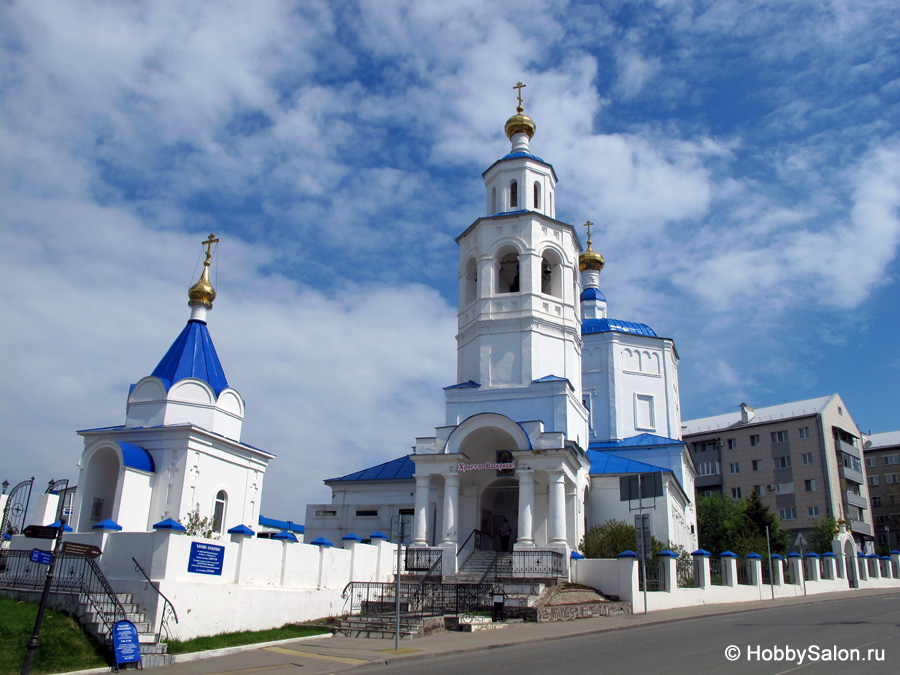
[
  {"x": 882, "y": 455},
  {"x": 804, "y": 458}
]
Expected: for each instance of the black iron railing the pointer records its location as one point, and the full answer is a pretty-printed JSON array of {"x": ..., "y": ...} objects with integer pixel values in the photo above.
[
  {"x": 685, "y": 573},
  {"x": 371, "y": 598},
  {"x": 421, "y": 559},
  {"x": 476, "y": 541},
  {"x": 743, "y": 572},
  {"x": 73, "y": 574},
  {"x": 766, "y": 572},
  {"x": 530, "y": 564},
  {"x": 168, "y": 607},
  {"x": 789, "y": 576},
  {"x": 716, "y": 572},
  {"x": 651, "y": 582},
  {"x": 824, "y": 568}
]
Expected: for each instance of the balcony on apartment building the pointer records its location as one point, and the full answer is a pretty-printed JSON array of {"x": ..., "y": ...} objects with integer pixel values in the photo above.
[
  {"x": 854, "y": 499},
  {"x": 859, "y": 527}
]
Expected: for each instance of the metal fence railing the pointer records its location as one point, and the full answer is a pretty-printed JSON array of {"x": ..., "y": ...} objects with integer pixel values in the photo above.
[
  {"x": 421, "y": 559},
  {"x": 530, "y": 564},
  {"x": 685, "y": 573},
  {"x": 716, "y": 572},
  {"x": 651, "y": 582},
  {"x": 743, "y": 572}
]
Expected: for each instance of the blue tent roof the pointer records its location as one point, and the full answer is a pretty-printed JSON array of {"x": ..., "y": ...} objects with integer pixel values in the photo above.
[
  {"x": 592, "y": 294},
  {"x": 640, "y": 441},
  {"x": 136, "y": 457},
  {"x": 192, "y": 355},
  {"x": 589, "y": 326},
  {"x": 402, "y": 467},
  {"x": 605, "y": 463}
]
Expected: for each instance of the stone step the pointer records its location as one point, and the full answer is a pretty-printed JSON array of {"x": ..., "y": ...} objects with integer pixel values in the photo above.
[{"x": 157, "y": 660}]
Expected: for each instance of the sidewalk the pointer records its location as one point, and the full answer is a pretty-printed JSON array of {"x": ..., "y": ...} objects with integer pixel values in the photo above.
[{"x": 336, "y": 653}]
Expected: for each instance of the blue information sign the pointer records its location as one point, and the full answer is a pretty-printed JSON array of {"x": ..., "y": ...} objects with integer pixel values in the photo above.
[
  {"x": 126, "y": 643},
  {"x": 206, "y": 558},
  {"x": 41, "y": 557}
]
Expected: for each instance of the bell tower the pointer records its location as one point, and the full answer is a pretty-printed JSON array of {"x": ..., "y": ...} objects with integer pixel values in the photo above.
[{"x": 518, "y": 340}]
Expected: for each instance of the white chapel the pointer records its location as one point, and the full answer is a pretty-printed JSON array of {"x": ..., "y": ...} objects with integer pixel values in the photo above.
[
  {"x": 557, "y": 408},
  {"x": 180, "y": 448}
]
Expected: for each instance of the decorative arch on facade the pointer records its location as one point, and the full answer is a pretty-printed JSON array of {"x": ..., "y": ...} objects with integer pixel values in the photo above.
[
  {"x": 485, "y": 433},
  {"x": 470, "y": 288},
  {"x": 99, "y": 487},
  {"x": 551, "y": 273},
  {"x": 508, "y": 277},
  {"x": 220, "y": 511},
  {"x": 537, "y": 195}
]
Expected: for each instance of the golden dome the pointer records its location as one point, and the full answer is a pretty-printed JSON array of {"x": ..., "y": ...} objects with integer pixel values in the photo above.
[
  {"x": 202, "y": 293},
  {"x": 590, "y": 259},
  {"x": 519, "y": 123}
]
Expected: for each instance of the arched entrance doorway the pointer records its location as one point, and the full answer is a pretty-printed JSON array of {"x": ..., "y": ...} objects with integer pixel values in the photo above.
[
  {"x": 500, "y": 512},
  {"x": 98, "y": 496}
]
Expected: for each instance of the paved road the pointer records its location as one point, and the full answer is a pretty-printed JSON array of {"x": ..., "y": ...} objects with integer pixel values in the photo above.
[{"x": 690, "y": 640}]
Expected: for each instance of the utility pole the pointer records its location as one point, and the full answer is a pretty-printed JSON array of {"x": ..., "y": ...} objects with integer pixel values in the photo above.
[{"x": 33, "y": 642}]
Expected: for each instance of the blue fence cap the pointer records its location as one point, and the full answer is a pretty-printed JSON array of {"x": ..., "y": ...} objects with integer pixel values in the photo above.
[
  {"x": 895, "y": 552},
  {"x": 66, "y": 528},
  {"x": 727, "y": 554},
  {"x": 829, "y": 555},
  {"x": 351, "y": 537},
  {"x": 627, "y": 554},
  {"x": 793, "y": 555},
  {"x": 284, "y": 535},
  {"x": 378, "y": 535},
  {"x": 775, "y": 556},
  {"x": 753, "y": 556},
  {"x": 700, "y": 551},
  {"x": 871, "y": 555},
  {"x": 813, "y": 555},
  {"x": 242, "y": 529},
  {"x": 169, "y": 524},
  {"x": 666, "y": 553},
  {"x": 885, "y": 557},
  {"x": 321, "y": 541},
  {"x": 577, "y": 556},
  {"x": 108, "y": 524},
  {"x": 860, "y": 554}
]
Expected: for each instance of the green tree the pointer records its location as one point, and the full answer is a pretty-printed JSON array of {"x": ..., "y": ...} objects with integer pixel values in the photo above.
[
  {"x": 719, "y": 519},
  {"x": 757, "y": 517},
  {"x": 739, "y": 526},
  {"x": 612, "y": 537},
  {"x": 196, "y": 526},
  {"x": 823, "y": 534}
]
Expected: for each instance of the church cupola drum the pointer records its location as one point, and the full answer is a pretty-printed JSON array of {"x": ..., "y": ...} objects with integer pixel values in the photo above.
[{"x": 519, "y": 310}]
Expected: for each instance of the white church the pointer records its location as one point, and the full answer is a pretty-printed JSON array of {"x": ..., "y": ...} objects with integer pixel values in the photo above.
[{"x": 557, "y": 408}]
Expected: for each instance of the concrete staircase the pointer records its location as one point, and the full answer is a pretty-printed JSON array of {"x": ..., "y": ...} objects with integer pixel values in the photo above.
[
  {"x": 153, "y": 652},
  {"x": 474, "y": 567}
]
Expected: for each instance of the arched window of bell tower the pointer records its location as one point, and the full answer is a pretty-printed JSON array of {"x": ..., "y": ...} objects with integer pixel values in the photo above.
[
  {"x": 493, "y": 201},
  {"x": 551, "y": 274},
  {"x": 513, "y": 194},
  {"x": 508, "y": 272},
  {"x": 537, "y": 196},
  {"x": 550, "y": 204},
  {"x": 471, "y": 285}
]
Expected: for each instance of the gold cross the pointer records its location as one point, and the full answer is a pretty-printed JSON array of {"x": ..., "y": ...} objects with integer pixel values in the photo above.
[
  {"x": 209, "y": 242},
  {"x": 588, "y": 224},
  {"x": 519, "y": 86}
]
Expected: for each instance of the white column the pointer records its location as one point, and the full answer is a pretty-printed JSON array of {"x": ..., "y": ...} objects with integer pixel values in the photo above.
[
  {"x": 526, "y": 508},
  {"x": 557, "y": 507},
  {"x": 451, "y": 508},
  {"x": 420, "y": 523}
]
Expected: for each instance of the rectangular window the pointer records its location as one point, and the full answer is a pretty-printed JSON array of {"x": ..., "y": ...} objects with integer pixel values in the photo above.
[
  {"x": 784, "y": 488},
  {"x": 780, "y": 436},
  {"x": 734, "y": 467},
  {"x": 873, "y": 481},
  {"x": 643, "y": 412},
  {"x": 732, "y": 443},
  {"x": 757, "y": 465},
  {"x": 754, "y": 440},
  {"x": 326, "y": 513},
  {"x": 736, "y": 493},
  {"x": 810, "y": 485},
  {"x": 891, "y": 479},
  {"x": 760, "y": 490},
  {"x": 366, "y": 513},
  {"x": 812, "y": 511},
  {"x": 705, "y": 446},
  {"x": 804, "y": 432},
  {"x": 876, "y": 501},
  {"x": 788, "y": 514},
  {"x": 891, "y": 459},
  {"x": 871, "y": 462},
  {"x": 807, "y": 458},
  {"x": 783, "y": 462},
  {"x": 708, "y": 469}
]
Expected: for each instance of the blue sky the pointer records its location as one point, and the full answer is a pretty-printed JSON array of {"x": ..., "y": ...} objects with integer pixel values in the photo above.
[{"x": 741, "y": 160}]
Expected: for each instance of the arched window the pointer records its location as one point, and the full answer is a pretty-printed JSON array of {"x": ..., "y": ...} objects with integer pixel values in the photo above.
[
  {"x": 471, "y": 285},
  {"x": 551, "y": 274},
  {"x": 550, "y": 205},
  {"x": 508, "y": 274},
  {"x": 219, "y": 511},
  {"x": 513, "y": 194},
  {"x": 493, "y": 201},
  {"x": 537, "y": 195}
]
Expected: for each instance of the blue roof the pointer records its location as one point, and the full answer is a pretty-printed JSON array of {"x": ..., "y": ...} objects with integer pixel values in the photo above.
[
  {"x": 288, "y": 525},
  {"x": 605, "y": 463},
  {"x": 589, "y": 326},
  {"x": 551, "y": 378},
  {"x": 468, "y": 384},
  {"x": 136, "y": 457},
  {"x": 402, "y": 467},
  {"x": 640, "y": 441},
  {"x": 516, "y": 155},
  {"x": 192, "y": 355},
  {"x": 592, "y": 294}
]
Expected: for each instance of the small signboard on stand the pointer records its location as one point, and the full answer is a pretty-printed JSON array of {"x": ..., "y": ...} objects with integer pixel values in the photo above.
[
  {"x": 41, "y": 557},
  {"x": 126, "y": 644}
]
